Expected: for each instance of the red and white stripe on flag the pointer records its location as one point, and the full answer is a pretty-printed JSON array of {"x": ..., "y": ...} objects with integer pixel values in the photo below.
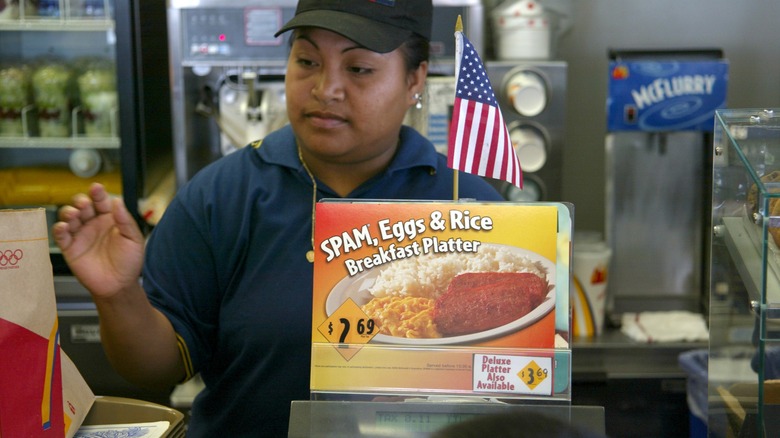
[{"x": 479, "y": 141}]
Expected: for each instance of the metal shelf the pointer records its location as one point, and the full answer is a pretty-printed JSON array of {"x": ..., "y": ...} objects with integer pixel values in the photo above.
[
  {"x": 60, "y": 142},
  {"x": 49, "y": 24}
]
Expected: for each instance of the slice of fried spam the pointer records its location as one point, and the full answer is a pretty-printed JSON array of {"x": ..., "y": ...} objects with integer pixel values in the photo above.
[{"x": 479, "y": 301}]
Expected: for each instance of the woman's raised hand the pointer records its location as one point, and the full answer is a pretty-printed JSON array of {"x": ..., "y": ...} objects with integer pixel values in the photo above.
[{"x": 100, "y": 241}]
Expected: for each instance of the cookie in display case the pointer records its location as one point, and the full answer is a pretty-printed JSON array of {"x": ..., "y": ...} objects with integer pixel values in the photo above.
[{"x": 744, "y": 274}]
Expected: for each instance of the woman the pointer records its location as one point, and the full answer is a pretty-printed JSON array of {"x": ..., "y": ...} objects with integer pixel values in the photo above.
[{"x": 226, "y": 282}]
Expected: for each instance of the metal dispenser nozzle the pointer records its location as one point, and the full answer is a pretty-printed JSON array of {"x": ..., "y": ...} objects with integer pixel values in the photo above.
[{"x": 254, "y": 96}]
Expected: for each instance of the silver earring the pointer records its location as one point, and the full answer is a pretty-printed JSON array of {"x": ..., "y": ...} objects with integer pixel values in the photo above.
[{"x": 418, "y": 99}]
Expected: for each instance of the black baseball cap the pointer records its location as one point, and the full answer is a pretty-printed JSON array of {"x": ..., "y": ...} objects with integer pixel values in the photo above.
[{"x": 378, "y": 25}]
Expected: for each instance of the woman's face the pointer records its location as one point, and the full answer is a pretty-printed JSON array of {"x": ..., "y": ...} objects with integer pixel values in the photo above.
[{"x": 346, "y": 103}]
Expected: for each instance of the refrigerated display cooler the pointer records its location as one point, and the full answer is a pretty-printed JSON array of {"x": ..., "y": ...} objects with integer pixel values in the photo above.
[{"x": 84, "y": 96}]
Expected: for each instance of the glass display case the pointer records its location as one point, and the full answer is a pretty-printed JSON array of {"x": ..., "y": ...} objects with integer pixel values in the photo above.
[
  {"x": 58, "y": 102},
  {"x": 73, "y": 109},
  {"x": 744, "y": 271}
]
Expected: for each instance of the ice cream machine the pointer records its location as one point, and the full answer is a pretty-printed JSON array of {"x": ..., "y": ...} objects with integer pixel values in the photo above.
[
  {"x": 660, "y": 112},
  {"x": 227, "y": 71}
]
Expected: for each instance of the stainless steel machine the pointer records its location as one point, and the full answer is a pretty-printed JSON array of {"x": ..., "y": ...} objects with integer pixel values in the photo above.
[
  {"x": 657, "y": 178},
  {"x": 227, "y": 70}
]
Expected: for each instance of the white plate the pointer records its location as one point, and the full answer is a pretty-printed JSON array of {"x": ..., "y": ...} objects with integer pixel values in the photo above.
[{"x": 357, "y": 287}]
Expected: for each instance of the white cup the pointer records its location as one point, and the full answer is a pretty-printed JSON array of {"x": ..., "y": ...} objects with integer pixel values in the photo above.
[
  {"x": 530, "y": 146},
  {"x": 527, "y": 92},
  {"x": 590, "y": 266}
]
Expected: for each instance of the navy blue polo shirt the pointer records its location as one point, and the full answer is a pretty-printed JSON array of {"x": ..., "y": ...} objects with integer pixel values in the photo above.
[{"x": 227, "y": 265}]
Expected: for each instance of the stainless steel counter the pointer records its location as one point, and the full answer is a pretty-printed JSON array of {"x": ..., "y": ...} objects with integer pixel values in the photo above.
[{"x": 614, "y": 355}]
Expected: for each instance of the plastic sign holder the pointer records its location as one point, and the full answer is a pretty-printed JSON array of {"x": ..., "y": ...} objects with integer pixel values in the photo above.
[{"x": 382, "y": 325}]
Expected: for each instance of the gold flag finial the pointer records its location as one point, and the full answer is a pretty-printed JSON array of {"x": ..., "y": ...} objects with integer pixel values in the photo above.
[{"x": 459, "y": 25}]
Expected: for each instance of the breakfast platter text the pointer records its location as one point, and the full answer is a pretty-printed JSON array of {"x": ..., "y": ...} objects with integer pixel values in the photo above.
[{"x": 403, "y": 235}]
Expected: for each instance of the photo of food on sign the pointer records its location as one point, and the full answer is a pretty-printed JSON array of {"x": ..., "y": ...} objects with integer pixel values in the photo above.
[{"x": 452, "y": 297}]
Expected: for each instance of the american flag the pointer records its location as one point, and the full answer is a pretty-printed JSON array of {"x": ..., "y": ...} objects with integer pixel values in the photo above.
[{"x": 479, "y": 140}]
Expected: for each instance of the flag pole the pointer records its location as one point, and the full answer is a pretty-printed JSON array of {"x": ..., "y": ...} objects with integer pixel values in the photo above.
[{"x": 458, "y": 28}]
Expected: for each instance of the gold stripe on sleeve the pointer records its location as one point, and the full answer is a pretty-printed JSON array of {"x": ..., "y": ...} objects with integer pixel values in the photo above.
[{"x": 185, "y": 357}]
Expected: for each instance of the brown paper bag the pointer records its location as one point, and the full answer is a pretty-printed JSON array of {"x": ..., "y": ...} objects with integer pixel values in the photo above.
[
  {"x": 41, "y": 392},
  {"x": 77, "y": 397}
]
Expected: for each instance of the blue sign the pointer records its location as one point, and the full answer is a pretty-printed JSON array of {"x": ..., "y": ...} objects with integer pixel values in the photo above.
[{"x": 653, "y": 95}]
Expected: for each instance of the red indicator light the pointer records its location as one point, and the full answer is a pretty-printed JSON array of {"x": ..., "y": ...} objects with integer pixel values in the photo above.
[{"x": 222, "y": 37}]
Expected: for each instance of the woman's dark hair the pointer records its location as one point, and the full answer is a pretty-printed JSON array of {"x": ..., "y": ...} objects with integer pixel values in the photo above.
[{"x": 415, "y": 50}]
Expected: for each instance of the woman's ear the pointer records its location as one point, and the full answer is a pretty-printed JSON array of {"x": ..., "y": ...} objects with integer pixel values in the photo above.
[{"x": 417, "y": 82}]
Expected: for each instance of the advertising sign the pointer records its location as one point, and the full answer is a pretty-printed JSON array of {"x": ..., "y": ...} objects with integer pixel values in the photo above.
[
  {"x": 665, "y": 95},
  {"x": 441, "y": 297}
]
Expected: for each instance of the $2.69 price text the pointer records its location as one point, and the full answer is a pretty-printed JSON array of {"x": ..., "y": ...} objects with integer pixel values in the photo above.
[{"x": 364, "y": 326}]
